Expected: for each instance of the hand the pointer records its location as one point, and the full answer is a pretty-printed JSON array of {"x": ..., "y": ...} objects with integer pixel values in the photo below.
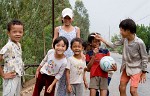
[
  {"x": 69, "y": 88},
  {"x": 95, "y": 51},
  {"x": 143, "y": 78},
  {"x": 9, "y": 75},
  {"x": 86, "y": 85},
  {"x": 49, "y": 89},
  {"x": 37, "y": 73},
  {"x": 113, "y": 67}
]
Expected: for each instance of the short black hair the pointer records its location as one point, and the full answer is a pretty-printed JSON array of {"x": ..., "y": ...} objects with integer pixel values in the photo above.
[
  {"x": 76, "y": 40},
  {"x": 91, "y": 38},
  {"x": 85, "y": 44},
  {"x": 128, "y": 24},
  {"x": 58, "y": 39},
  {"x": 13, "y": 22}
]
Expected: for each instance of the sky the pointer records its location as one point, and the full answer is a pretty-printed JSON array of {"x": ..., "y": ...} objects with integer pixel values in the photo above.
[{"x": 105, "y": 15}]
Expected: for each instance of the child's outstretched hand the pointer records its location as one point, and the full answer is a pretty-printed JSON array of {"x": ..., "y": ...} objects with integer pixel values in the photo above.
[
  {"x": 9, "y": 75},
  {"x": 143, "y": 78},
  {"x": 49, "y": 89},
  {"x": 69, "y": 88}
]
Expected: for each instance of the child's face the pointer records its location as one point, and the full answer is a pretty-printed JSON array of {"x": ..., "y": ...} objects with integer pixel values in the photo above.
[
  {"x": 60, "y": 47},
  {"x": 95, "y": 43},
  {"x": 77, "y": 48},
  {"x": 67, "y": 20},
  {"x": 16, "y": 33},
  {"x": 124, "y": 33}
]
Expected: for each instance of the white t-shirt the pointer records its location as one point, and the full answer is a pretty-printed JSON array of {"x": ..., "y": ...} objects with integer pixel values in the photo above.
[
  {"x": 52, "y": 66},
  {"x": 76, "y": 67}
]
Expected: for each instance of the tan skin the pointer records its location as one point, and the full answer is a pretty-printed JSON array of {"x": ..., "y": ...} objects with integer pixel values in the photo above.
[
  {"x": 122, "y": 87},
  {"x": 95, "y": 47},
  {"x": 15, "y": 34},
  {"x": 77, "y": 49},
  {"x": 67, "y": 27}
]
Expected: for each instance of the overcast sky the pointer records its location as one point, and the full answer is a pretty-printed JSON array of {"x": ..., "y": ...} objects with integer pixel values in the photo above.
[{"x": 106, "y": 15}]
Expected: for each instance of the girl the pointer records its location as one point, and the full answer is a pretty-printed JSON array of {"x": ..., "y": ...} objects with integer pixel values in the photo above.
[
  {"x": 51, "y": 68},
  {"x": 70, "y": 32}
]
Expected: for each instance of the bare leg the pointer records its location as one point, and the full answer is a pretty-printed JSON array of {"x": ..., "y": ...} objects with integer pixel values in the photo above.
[
  {"x": 92, "y": 92},
  {"x": 133, "y": 91},
  {"x": 103, "y": 92},
  {"x": 122, "y": 88}
]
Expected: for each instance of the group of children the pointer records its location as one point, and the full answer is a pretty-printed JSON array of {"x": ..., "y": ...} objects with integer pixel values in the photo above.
[{"x": 62, "y": 71}]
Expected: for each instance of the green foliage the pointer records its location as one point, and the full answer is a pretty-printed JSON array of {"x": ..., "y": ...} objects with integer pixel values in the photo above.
[
  {"x": 143, "y": 32},
  {"x": 37, "y": 18},
  {"x": 81, "y": 19}
]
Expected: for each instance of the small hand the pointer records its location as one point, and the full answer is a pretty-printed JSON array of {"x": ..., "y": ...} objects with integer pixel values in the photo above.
[
  {"x": 49, "y": 89},
  {"x": 113, "y": 67},
  {"x": 143, "y": 78},
  {"x": 9, "y": 75},
  {"x": 95, "y": 51},
  {"x": 37, "y": 73},
  {"x": 86, "y": 85},
  {"x": 69, "y": 88}
]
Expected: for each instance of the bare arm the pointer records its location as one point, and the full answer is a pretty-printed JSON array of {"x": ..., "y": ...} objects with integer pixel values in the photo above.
[
  {"x": 50, "y": 88},
  {"x": 68, "y": 76},
  {"x": 56, "y": 34},
  {"x": 78, "y": 32}
]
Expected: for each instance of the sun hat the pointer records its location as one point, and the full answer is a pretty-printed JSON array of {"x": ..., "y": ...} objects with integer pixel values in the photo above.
[{"x": 67, "y": 12}]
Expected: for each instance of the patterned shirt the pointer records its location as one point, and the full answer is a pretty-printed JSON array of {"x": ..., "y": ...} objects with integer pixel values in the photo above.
[
  {"x": 52, "y": 66},
  {"x": 12, "y": 55},
  {"x": 76, "y": 67}
]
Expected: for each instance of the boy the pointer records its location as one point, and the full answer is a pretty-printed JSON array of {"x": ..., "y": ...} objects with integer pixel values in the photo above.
[
  {"x": 11, "y": 53},
  {"x": 75, "y": 73},
  {"x": 135, "y": 59},
  {"x": 98, "y": 78}
]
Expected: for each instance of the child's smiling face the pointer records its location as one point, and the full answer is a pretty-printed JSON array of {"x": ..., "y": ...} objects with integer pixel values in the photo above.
[
  {"x": 60, "y": 47},
  {"x": 77, "y": 47},
  {"x": 16, "y": 33}
]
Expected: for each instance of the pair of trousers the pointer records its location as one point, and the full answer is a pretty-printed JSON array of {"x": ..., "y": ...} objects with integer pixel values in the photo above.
[{"x": 41, "y": 81}]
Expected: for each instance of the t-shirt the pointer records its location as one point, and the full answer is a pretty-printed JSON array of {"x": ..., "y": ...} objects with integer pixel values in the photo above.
[
  {"x": 95, "y": 69},
  {"x": 76, "y": 67},
  {"x": 12, "y": 55},
  {"x": 52, "y": 66}
]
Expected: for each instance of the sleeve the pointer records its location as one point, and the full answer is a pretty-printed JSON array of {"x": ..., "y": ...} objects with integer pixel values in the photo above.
[
  {"x": 116, "y": 43},
  {"x": 61, "y": 71},
  {"x": 46, "y": 57},
  {"x": 5, "y": 49},
  {"x": 87, "y": 59},
  {"x": 44, "y": 60},
  {"x": 68, "y": 64},
  {"x": 144, "y": 56}
]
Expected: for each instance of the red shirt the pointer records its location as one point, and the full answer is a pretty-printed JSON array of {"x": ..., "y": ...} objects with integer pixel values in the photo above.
[{"x": 95, "y": 69}]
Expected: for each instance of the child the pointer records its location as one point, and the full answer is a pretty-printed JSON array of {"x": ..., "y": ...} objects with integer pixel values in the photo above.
[
  {"x": 11, "y": 53},
  {"x": 51, "y": 68},
  {"x": 98, "y": 78},
  {"x": 135, "y": 59},
  {"x": 70, "y": 32},
  {"x": 75, "y": 70}
]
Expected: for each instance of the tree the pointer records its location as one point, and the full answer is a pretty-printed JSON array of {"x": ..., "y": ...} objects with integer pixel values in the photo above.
[
  {"x": 81, "y": 18},
  {"x": 143, "y": 32}
]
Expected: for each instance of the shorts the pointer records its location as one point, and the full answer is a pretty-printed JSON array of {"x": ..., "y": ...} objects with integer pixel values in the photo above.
[
  {"x": 98, "y": 83},
  {"x": 134, "y": 79}
]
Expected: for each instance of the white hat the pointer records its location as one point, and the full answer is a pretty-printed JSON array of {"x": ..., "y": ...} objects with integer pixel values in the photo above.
[{"x": 67, "y": 12}]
